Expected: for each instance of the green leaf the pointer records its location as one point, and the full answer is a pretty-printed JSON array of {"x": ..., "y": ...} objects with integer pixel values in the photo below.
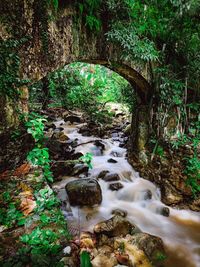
[{"x": 85, "y": 259}]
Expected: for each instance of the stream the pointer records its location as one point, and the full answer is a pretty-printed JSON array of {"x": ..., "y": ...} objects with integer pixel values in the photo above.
[{"x": 180, "y": 231}]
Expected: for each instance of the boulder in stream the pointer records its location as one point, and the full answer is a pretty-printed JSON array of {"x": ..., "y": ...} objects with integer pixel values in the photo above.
[
  {"x": 152, "y": 246},
  {"x": 84, "y": 192},
  {"x": 141, "y": 250},
  {"x": 115, "y": 226}
]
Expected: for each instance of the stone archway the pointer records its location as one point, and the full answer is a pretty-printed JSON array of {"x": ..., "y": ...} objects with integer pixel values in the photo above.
[{"x": 69, "y": 41}]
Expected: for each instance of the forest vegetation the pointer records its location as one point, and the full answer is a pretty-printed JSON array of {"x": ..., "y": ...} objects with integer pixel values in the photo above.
[{"x": 162, "y": 37}]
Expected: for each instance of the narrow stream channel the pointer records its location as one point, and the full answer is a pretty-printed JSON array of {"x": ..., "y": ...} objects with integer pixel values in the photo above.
[{"x": 180, "y": 231}]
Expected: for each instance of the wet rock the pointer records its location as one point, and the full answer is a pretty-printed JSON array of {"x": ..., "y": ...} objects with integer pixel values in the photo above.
[
  {"x": 147, "y": 194},
  {"x": 116, "y": 226},
  {"x": 102, "y": 174},
  {"x": 61, "y": 169},
  {"x": 80, "y": 169},
  {"x": 115, "y": 186},
  {"x": 122, "y": 144},
  {"x": 127, "y": 175},
  {"x": 59, "y": 149},
  {"x": 85, "y": 131},
  {"x": 122, "y": 258},
  {"x": 87, "y": 240},
  {"x": 112, "y": 160},
  {"x": 72, "y": 119},
  {"x": 76, "y": 155},
  {"x": 195, "y": 204},
  {"x": 84, "y": 192},
  {"x": 152, "y": 246},
  {"x": 61, "y": 136},
  {"x": 111, "y": 177},
  {"x": 74, "y": 143},
  {"x": 170, "y": 195},
  {"x": 49, "y": 125},
  {"x": 164, "y": 211},
  {"x": 102, "y": 260},
  {"x": 130, "y": 254},
  {"x": 122, "y": 213},
  {"x": 99, "y": 144}
]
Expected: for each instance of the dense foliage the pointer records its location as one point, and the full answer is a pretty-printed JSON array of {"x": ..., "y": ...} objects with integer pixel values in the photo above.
[
  {"x": 87, "y": 87},
  {"x": 165, "y": 35}
]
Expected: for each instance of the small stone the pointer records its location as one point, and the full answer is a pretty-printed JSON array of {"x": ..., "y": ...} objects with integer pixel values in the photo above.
[
  {"x": 80, "y": 169},
  {"x": 112, "y": 160},
  {"x": 63, "y": 137},
  {"x": 119, "y": 212},
  {"x": 147, "y": 194},
  {"x": 122, "y": 144},
  {"x": 102, "y": 174},
  {"x": 49, "y": 125},
  {"x": 99, "y": 144},
  {"x": 164, "y": 211},
  {"x": 115, "y": 186},
  {"x": 111, "y": 177}
]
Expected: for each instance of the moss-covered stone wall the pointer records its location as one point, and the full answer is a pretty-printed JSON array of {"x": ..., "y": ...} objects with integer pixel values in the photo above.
[{"x": 53, "y": 39}]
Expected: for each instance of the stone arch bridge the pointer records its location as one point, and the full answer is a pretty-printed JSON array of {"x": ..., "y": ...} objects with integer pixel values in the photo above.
[{"x": 68, "y": 41}]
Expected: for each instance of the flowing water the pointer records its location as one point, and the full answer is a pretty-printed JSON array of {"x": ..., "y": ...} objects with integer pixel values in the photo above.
[{"x": 180, "y": 231}]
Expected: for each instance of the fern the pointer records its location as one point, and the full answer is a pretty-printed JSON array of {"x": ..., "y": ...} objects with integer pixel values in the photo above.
[{"x": 134, "y": 47}]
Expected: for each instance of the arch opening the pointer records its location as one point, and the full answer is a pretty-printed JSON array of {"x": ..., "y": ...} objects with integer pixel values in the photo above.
[{"x": 94, "y": 87}]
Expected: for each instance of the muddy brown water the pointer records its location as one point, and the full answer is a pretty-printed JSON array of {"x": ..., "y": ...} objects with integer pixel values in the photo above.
[{"x": 180, "y": 231}]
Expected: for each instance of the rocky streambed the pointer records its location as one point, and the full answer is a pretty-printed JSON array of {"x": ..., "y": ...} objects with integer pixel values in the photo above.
[{"x": 112, "y": 212}]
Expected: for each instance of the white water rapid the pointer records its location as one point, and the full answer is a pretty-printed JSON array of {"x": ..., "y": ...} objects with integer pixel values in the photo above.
[{"x": 180, "y": 231}]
